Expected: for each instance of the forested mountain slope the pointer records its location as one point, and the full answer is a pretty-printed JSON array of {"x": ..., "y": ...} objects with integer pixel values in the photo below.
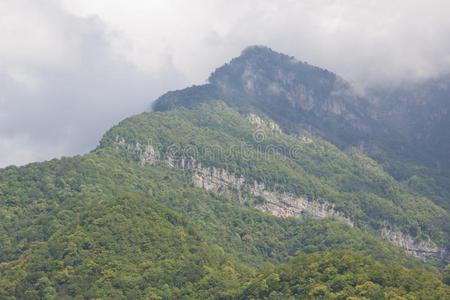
[
  {"x": 403, "y": 128},
  {"x": 225, "y": 192},
  {"x": 420, "y": 114},
  {"x": 261, "y": 159}
]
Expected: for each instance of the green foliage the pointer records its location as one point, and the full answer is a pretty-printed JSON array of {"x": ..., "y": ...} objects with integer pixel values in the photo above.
[
  {"x": 103, "y": 226},
  {"x": 356, "y": 185},
  {"x": 446, "y": 275},
  {"x": 124, "y": 247},
  {"x": 343, "y": 275}
]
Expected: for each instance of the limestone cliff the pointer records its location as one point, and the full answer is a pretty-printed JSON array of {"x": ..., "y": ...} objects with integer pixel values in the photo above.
[
  {"x": 280, "y": 204},
  {"x": 422, "y": 249},
  {"x": 275, "y": 203}
]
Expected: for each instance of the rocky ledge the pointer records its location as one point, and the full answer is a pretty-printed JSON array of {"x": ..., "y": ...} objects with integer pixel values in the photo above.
[
  {"x": 279, "y": 204},
  {"x": 423, "y": 249},
  {"x": 275, "y": 203}
]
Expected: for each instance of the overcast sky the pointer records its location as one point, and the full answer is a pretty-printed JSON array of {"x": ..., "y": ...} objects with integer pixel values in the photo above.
[{"x": 70, "y": 69}]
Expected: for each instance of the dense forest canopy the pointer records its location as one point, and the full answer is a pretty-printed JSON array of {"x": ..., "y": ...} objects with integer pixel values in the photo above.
[{"x": 261, "y": 184}]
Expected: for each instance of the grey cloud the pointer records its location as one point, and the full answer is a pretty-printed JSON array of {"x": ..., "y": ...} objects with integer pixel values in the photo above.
[
  {"x": 64, "y": 109},
  {"x": 368, "y": 42}
]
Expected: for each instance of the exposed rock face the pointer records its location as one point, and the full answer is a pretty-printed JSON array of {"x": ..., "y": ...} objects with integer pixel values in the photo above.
[
  {"x": 423, "y": 249},
  {"x": 304, "y": 139},
  {"x": 275, "y": 203},
  {"x": 278, "y": 204},
  {"x": 270, "y": 77},
  {"x": 288, "y": 205},
  {"x": 146, "y": 154},
  {"x": 219, "y": 181},
  {"x": 263, "y": 124},
  {"x": 215, "y": 180}
]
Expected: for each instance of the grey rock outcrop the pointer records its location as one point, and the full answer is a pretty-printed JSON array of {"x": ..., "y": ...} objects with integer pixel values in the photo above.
[
  {"x": 220, "y": 181},
  {"x": 423, "y": 249},
  {"x": 275, "y": 203}
]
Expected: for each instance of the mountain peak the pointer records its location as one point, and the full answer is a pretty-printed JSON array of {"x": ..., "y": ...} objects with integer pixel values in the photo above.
[
  {"x": 259, "y": 70},
  {"x": 258, "y": 58},
  {"x": 271, "y": 82},
  {"x": 285, "y": 89},
  {"x": 264, "y": 53},
  {"x": 259, "y": 50}
]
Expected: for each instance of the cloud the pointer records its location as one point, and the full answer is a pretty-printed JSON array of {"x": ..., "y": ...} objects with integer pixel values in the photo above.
[
  {"x": 71, "y": 69},
  {"x": 373, "y": 41},
  {"x": 61, "y": 85}
]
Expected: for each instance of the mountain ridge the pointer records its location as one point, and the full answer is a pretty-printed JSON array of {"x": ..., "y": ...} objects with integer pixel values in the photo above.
[
  {"x": 180, "y": 149},
  {"x": 340, "y": 115},
  {"x": 237, "y": 189}
]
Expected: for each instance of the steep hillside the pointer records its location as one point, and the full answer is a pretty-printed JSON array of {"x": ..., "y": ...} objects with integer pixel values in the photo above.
[
  {"x": 420, "y": 114},
  {"x": 252, "y": 159},
  {"x": 292, "y": 93},
  {"x": 101, "y": 227},
  {"x": 404, "y": 129},
  {"x": 82, "y": 227},
  {"x": 342, "y": 275},
  {"x": 253, "y": 186}
]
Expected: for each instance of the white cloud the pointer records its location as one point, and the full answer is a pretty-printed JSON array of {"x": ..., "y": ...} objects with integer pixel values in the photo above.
[
  {"x": 63, "y": 88},
  {"x": 379, "y": 41}
]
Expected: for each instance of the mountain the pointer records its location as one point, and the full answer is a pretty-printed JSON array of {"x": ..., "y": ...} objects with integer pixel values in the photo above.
[
  {"x": 403, "y": 128},
  {"x": 261, "y": 184},
  {"x": 419, "y": 113},
  {"x": 292, "y": 93}
]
